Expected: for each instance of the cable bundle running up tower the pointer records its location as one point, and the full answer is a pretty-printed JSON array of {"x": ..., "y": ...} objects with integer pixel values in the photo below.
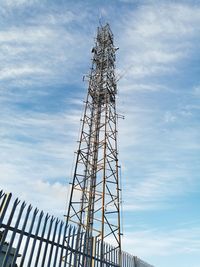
[{"x": 94, "y": 205}]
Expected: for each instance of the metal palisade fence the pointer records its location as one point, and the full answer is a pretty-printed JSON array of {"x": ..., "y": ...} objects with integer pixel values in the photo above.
[{"x": 29, "y": 237}]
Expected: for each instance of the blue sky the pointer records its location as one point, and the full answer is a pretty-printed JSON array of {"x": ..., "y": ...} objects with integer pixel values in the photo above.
[{"x": 45, "y": 51}]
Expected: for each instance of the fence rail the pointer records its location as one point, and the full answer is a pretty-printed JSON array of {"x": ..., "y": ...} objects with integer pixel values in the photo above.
[{"x": 31, "y": 238}]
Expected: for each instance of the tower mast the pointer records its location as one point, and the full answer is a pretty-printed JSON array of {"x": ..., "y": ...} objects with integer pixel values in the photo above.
[{"x": 94, "y": 205}]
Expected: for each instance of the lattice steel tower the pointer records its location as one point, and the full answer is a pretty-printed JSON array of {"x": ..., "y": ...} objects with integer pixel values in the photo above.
[{"x": 94, "y": 204}]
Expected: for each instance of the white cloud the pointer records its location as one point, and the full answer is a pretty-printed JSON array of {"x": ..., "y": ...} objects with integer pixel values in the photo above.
[
  {"x": 148, "y": 243},
  {"x": 13, "y": 73},
  {"x": 17, "y": 3},
  {"x": 158, "y": 140},
  {"x": 40, "y": 52},
  {"x": 160, "y": 163},
  {"x": 155, "y": 191},
  {"x": 37, "y": 153},
  {"x": 37, "y": 51},
  {"x": 158, "y": 154},
  {"x": 157, "y": 37},
  {"x": 196, "y": 91},
  {"x": 169, "y": 117}
]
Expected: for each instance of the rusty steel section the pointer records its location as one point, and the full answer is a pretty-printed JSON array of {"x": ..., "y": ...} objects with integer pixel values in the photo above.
[
  {"x": 31, "y": 238},
  {"x": 94, "y": 205}
]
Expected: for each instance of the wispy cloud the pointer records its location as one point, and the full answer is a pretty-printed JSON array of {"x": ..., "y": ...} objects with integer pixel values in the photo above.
[
  {"x": 45, "y": 50},
  {"x": 35, "y": 50},
  {"x": 17, "y": 3},
  {"x": 152, "y": 242},
  {"x": 39, "y": 52},
  {"x": 159, "y": 136},
  {"x": 152, "y": 38},
  {"x": 36, "y": 153},
  {"x": 196, "y": 90}
]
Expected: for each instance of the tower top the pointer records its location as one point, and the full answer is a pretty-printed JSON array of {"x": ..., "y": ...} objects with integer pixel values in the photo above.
[{"x": 102, "y": 77}]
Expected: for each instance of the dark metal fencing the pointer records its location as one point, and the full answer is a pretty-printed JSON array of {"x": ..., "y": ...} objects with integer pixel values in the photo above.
[{"x": 29, "y": 237}]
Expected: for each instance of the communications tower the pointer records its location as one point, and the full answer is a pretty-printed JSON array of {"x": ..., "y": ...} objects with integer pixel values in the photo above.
[{"x": 94, "y": 205}]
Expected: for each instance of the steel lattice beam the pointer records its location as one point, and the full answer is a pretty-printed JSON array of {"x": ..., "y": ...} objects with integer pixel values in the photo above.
[{"x": 95, "y": 194}]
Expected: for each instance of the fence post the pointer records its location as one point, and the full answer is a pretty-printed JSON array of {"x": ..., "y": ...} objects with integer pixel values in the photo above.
[
  {"x": 42, "y": 236},
  {"x": 58, "y": 242},
  {"x": 53, "y": 240},
  {"x": 135, "y": 261},
  {"x": 68, "y": 245},
  {"x": 5, "y": 232},
  {"x": 28, "y": 238},
  {"x": 34, "y": 241},
  {"x": 13, "y": 234},
  {"x": 4, "y": 205},
  {"x": 21, "y": 234},
  {"x": 48, "y": 237},
  {"x": 63, "y": 243}
]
